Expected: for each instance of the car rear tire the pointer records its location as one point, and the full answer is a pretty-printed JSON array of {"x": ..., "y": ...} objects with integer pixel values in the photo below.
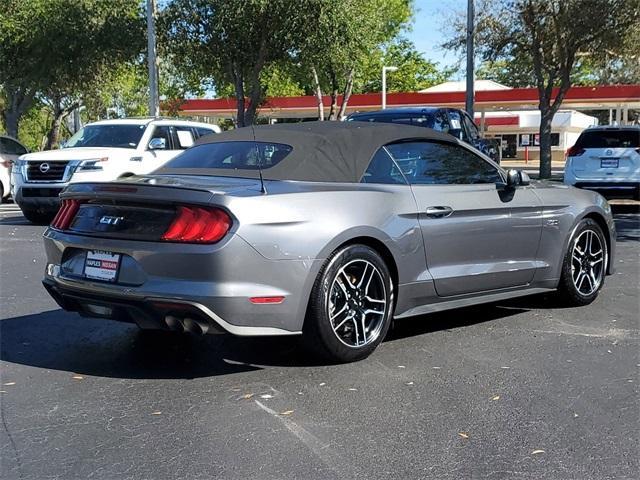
[
  {"x": 38, "y": 218},
  {"x": 584, "y": 265},
  {"x": 351, "y": 305}
]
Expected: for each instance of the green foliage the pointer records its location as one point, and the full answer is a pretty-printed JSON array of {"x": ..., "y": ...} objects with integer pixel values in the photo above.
[
  {"x": 231, "y": 42},
  {"x": 59, "y": 49},
  {"x": 414, "y": 71}
]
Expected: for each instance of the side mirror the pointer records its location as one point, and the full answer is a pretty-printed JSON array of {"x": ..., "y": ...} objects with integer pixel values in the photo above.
[
  {"x": 158, "y": 144},
  {"x": 517, "y": 178}
]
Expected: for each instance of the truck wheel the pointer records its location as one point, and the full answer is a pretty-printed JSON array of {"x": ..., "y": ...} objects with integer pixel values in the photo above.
[{"x": 38, "y": 218}]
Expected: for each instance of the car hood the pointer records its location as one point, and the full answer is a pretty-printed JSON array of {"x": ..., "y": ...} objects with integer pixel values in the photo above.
[{"x": 80, "y": 153}]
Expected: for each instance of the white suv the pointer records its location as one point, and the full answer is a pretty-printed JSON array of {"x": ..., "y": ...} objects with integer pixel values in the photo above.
[
  {"x": 99, "y": 152},
  {"x": 10, "y": 150},
  {"x": 606, "y": 159}
]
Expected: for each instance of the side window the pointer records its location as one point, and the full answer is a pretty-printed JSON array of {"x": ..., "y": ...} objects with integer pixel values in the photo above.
[
  {"x": 471, "y": 127},
  {"x": 441, "y": 122},
  {"x": 203, "y": 131},
  {"x": 163, "y": 131},
  {"x": 183, "y": 137},
  {"x": 434, "y": 163},
  {"x": 11, "y": 147},
  {"x": 382, "y": 169},
  {"x": 456, "y": 127}
]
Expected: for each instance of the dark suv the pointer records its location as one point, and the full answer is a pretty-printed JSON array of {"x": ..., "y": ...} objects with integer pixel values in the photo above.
[{"x": 449, "y": 120}]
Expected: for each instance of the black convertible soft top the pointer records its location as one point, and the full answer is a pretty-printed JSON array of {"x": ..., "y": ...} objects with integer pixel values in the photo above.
[{"x": 322, "y": 151}]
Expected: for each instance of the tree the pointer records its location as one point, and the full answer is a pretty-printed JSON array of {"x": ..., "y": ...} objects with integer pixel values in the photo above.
[
  {"x": 414, "y": 71},
  {"x": 231, "y": 42},
  {"x": 552, "y": 36},
  {"x": 341, "y": 36},
  {"x": 57, "y": 49}
]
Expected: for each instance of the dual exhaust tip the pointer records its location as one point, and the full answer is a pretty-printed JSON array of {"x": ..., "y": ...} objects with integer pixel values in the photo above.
[{"x": 186, "y": 324}]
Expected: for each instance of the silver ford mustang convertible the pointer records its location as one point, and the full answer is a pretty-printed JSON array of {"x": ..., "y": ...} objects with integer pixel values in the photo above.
[{"x": 325, "y": 230}]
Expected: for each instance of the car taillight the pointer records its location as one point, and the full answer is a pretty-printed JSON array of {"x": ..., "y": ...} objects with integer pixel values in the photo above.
[
  {"x": 198, "y": 225},
  {"x": 575, "y": 151},
  {"x": 66, "y": 214}
]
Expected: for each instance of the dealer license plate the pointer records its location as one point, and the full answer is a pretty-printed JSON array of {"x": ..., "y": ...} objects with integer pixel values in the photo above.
[
  {"x": 101, "y": 265},
  {"x": 609, "y": 162}
]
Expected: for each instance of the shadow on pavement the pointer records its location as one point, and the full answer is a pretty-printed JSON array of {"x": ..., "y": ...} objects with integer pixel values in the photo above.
[
  {"x": 627, "y": 221},
  {"x": 58, "y": 340}
]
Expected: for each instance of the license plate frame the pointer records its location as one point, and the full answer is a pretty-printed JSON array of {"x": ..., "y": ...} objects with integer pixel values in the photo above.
[
  {"x": 609, "y": 162},
  {"x": 102, "y": 265}
]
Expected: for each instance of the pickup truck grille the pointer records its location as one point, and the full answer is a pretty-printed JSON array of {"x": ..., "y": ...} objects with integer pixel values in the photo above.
[{"x": 46, "y": 171}]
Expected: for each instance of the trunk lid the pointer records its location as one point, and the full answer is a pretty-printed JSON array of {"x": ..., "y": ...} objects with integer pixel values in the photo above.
[{"x": 143, "y": 208}]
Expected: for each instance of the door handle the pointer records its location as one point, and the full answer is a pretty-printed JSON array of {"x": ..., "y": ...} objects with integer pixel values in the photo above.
[{"x": 438, "y": 212}]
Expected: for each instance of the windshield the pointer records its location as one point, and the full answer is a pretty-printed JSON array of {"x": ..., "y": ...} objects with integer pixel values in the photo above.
[
  {"x": 609, "y": 139},
  {"x": 120, "y": 136},
  {"x": 232, "y": 155},
  {"x": 419, "y": 120}
]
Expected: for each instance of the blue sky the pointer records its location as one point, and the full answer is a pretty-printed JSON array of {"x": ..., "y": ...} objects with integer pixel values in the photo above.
[{"x": 426, "y": 34}]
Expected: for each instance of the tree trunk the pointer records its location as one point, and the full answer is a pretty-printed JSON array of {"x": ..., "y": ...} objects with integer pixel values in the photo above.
[
  {"x": 346, "y": 95},
  {"x": 318, "y": 92},
  {"x": 59, "y": 114},
  {"x": 18, "y": 103},
  {"x": 239, "y": 91},
  {"x": 545, "y": 143},
  {"x": 334, "y": 96},
  {"x": 54, "y": 131}
]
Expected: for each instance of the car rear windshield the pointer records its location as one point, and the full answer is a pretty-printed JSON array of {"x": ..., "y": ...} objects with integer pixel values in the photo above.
[
  {"x": 609, "y": 139},
  {"x": 113, "y": 136},
  {"x": 419, "y": 120},
  {"x": 232, "y": 155}
]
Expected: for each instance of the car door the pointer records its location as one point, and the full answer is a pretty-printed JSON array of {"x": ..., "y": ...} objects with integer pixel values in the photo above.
[
  {"x": 158, "y": 154},
  {"x": 478, "y": 235}
]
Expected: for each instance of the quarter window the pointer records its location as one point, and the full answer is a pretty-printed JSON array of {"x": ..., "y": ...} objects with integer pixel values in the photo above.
[
  {"x": 434, "y": 163},
  {"x": 383, "y": 169}
]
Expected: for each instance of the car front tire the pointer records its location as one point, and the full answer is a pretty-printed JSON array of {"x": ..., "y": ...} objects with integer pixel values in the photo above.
[
  {"x": 584, "y": 265},
  {"x": 351, "y": 305}
]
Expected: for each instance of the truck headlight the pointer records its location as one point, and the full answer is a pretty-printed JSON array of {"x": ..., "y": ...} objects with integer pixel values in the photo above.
[{"x": 91, "y": 164}]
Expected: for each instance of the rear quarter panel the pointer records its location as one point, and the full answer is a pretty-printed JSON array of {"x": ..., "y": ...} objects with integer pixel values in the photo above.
[
  {"x": 563, "y": 208},
  {"x": 310, "y": 221}
]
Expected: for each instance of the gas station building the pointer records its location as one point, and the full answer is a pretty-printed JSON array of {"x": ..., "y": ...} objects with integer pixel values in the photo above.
[{"x": 508, "y": 113}]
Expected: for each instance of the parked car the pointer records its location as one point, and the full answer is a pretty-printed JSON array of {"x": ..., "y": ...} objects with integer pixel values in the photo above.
[
  {"x": 606, "y": 159},
  {"x": 448, "y": 120},
  {"x": 323, "y": 230},
  {"x": 100, "y": 151},
  {"x": 10, "y": 150}
]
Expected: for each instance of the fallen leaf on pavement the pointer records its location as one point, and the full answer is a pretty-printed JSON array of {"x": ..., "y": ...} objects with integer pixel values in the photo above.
[
  {"x": 322, "y": 384},
  {"x": 157, "y": 412},
  {"x": 9, "y": 384},
  {"x": 409, "y": 383},
  {"x": 287, "y": 412},
  {"x": 463, "y": 435},
  {"x": 535, "y": 452},
  {"x": 78, "y": 377},
  {"x": 266, "y": 396},
  {"x": 497, "y": 397},
  {"x": 247, "y": 396},
  {"x": 353, "y": 389}
]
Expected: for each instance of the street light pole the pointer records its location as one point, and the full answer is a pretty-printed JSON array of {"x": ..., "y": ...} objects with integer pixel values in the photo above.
[
  {"x": 470, "y": 51},
  {"x": 384, "y": 84},
  {"x": 154, "y": 104}
]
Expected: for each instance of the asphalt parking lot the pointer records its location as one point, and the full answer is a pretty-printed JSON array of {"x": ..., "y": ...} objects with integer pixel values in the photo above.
[{"x": 520, "y": 389}]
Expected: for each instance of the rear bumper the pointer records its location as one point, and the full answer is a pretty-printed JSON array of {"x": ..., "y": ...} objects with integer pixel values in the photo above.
[
  {"x": 149, "y": 312},
  {"x": 209, "y": 285}
]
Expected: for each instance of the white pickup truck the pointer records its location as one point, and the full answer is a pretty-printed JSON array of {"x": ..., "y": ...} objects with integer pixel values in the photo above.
[{"x": 101, "y": 151}]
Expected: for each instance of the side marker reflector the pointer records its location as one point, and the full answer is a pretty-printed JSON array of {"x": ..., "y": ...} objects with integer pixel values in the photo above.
[{"x": 266, "y": 300}]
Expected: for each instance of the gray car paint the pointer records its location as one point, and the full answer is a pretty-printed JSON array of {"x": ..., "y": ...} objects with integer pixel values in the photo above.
[{"x": 494, "y": 245}]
